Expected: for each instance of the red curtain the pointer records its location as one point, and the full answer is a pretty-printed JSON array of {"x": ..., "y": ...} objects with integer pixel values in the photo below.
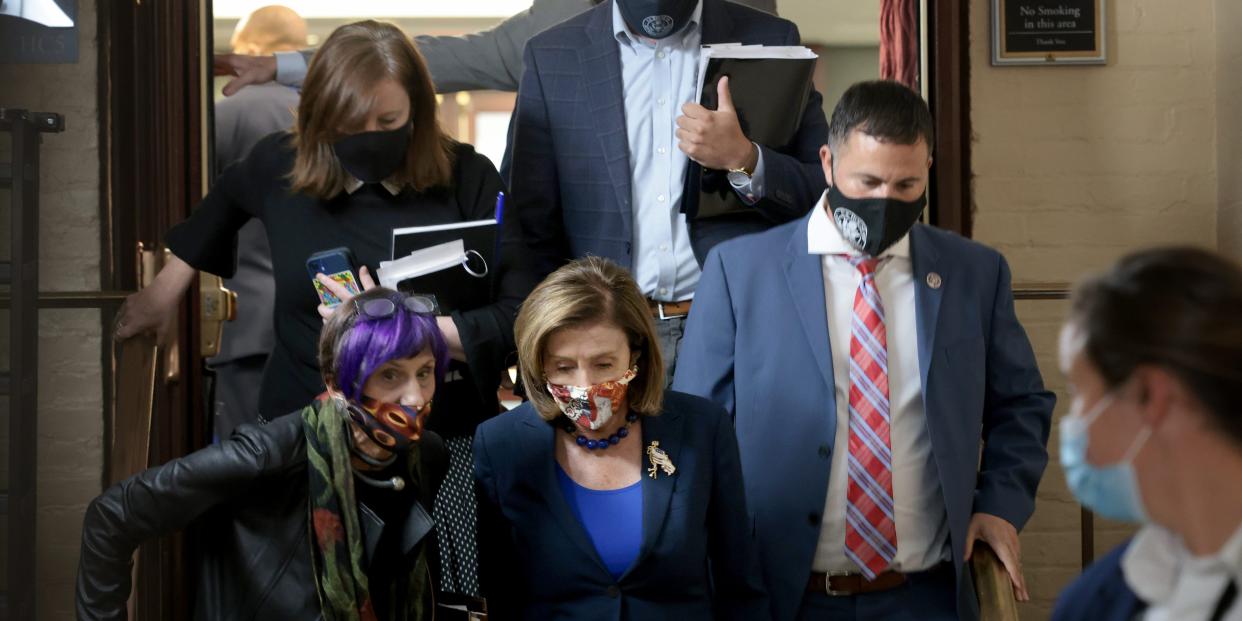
[{"x": 899, "y": 37}]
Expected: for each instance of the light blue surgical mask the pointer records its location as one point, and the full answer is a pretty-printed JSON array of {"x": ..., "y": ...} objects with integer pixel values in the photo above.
[{"x": 1111, "y": 491}]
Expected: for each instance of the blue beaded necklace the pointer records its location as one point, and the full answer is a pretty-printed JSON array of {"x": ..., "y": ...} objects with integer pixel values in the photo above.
[{"x": 592, "y": 444}]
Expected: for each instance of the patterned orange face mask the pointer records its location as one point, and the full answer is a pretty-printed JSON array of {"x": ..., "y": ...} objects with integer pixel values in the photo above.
[
  {"x": 392, "y": 426},
  {"x": 590, "y": 407}
]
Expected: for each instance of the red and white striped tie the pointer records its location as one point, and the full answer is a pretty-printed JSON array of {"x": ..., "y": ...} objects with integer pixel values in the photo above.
[{"x": 870, "y": 531}]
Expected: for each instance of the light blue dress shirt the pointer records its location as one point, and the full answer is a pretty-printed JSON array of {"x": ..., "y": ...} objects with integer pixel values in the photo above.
[{"x": 658, "y": 77}]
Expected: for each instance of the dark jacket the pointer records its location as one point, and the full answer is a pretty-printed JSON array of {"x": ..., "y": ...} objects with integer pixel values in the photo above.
[
  {"x": 570, "y": 173},
  {"x": 1100, "y": 593},
  {"x": 697, "y": 560},
  {"x": 249, "y": 497}
]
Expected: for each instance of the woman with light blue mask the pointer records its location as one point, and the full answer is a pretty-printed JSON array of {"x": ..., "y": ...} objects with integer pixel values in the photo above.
[{"x": 1153, "y": 354}]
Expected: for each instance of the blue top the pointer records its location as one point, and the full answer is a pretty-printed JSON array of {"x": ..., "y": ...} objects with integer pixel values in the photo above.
[{"x": 613, "y": 518}]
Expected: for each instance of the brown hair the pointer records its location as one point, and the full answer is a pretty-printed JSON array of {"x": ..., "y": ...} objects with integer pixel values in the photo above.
[
  {"x": 1176, "y": 308},
  {"x": 335, "y": 97},
  {"x": 581, "y": 293}
]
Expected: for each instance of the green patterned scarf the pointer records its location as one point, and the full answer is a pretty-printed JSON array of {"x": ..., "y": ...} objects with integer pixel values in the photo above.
[{"x": 337, "y": 550}]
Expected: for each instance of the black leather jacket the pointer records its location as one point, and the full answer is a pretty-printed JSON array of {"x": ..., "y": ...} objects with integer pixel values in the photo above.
[{"x": 248, "y": 496}]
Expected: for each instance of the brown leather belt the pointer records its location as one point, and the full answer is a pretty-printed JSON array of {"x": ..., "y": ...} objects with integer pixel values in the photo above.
[
  {"x": 843, "y": 583},
  {"x": 669, "y": 310}
]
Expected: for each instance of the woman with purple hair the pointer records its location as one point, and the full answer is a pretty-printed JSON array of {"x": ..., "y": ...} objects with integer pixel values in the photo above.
[{"x": 323, "y": 515}]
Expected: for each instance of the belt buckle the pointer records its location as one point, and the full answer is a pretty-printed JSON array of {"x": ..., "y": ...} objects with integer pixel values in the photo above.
[
  {"x": 828, "y": 576},
  {"x": 660, "y": 311}
]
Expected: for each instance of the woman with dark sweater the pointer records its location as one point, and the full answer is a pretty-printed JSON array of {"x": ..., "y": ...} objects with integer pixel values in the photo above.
[{"x": 365, "y": 156}]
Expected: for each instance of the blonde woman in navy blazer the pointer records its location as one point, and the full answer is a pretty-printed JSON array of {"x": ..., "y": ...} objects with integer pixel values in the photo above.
[{"x": 606, "y": 497}]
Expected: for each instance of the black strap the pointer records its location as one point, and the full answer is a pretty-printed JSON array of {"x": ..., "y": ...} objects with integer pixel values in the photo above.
[{"x": 1225, "y": 601}]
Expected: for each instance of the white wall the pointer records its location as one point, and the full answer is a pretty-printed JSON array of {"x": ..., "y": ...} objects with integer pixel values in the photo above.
[{"x": 834, "y": 22}]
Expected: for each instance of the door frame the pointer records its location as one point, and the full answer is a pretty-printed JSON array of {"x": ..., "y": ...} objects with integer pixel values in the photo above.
[
  {"x": 948, "y": 56},
  {"x": 152, "y": 76}
]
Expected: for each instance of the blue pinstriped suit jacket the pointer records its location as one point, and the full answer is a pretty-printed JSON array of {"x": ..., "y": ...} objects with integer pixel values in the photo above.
[{"x": 570, "y": 170}]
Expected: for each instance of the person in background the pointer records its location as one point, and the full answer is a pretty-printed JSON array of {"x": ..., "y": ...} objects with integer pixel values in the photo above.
[
  {"x": 1152, "y": 350},
  {"x": 317, "y": 515},
  {"x": 269, "y": 29},
  {"x": 609, "y": 147},
  {"x": 366, "y": 156},
  {"x": 888, "y": 406},
  {"x": 240, "y": 123},
  {"x": 606, "y": 496},
  {"x": 486, "y": 60}
]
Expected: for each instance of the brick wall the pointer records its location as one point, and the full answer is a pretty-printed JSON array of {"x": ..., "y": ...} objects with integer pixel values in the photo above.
[
  {"x": 1076, "y": 165},
  {"x": 1073, "y": 167},
  {"x": 70, "y": 384},
  {"x": 1229, "y": 126}
]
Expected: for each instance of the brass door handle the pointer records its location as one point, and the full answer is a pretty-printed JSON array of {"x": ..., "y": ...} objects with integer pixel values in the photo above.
[
  {"x": 218, "y": 306},
  {"x": 149, "y": 264}
]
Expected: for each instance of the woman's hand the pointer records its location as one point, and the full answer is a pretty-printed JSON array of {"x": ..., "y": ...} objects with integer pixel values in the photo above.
[
  {"x": 452, "y": 337},
  {"x": 339, "y": 290},
  {"x": 152, "y": 308}
]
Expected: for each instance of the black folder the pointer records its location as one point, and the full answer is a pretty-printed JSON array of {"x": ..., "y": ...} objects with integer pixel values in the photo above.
[
  {"x": 769, "y": 95},
  {"x": 452, "y": 288}
]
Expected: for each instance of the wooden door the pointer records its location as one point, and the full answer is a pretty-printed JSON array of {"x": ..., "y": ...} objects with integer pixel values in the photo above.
[{"x": 153, "y": 70}]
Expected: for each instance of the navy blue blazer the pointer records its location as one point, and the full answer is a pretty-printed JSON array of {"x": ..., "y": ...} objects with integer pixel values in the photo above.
[
  {"x": 569, "y": 177},
  {"x": 757, "y": 342},
  {"x": 1100, "y": 593},
  {"x": 697, "y": 560}
]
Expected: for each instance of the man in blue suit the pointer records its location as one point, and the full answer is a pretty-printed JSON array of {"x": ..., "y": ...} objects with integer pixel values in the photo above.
[
  {"x": 887, "y": 403},
  {"x": 609, "y": 148}
]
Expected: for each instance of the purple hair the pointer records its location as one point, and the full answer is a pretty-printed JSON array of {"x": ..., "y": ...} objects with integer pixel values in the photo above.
[{"x": 369, "y": 343}]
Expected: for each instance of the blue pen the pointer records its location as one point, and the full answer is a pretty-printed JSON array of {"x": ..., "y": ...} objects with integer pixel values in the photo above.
[{"x": 500, "y": 214}]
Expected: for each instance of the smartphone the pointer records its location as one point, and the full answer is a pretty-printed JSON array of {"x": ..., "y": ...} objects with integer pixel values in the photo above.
[{"x": 337, "y": 264}]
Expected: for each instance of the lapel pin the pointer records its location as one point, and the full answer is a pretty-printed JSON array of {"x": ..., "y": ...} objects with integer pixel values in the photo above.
[
  {"x": 659, "y": 460},
  {"x": 933, "y": 280}
]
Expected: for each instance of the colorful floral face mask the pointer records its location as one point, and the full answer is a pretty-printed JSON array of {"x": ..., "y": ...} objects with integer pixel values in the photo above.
[
  {"x": 393, "y": 426},
  {"x": 590, "y": 407}
]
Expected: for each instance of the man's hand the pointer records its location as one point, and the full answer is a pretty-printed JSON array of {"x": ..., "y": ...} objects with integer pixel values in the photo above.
[
  {"x": 713, "y": 138},
  {"x": 1003, "y": 538},
  {"x": 246, "y": 69}
]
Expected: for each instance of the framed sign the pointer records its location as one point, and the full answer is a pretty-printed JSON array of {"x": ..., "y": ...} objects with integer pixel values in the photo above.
[
  {"x": 38, "y": 31},
  {"x": 1048, "y": 32}
]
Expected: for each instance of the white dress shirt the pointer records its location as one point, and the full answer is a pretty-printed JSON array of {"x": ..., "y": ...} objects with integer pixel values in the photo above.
[
  {"x": 657, "y": 77},
  {"x": 1177, "y": 585},
  {"x": 921, "y": 520}
]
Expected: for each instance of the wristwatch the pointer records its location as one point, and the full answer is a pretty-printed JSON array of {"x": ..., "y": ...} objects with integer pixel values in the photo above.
[{"x": 741, "y": 176}]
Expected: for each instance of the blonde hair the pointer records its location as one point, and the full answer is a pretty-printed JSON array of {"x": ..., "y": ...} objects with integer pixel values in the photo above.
[
  {"x": 581, "y": 293},
  {"x": 335, "y": 95},
  {"x": 270, "y": 29}
]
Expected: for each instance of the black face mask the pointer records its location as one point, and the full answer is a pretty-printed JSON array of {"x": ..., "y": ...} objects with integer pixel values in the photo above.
[
  {"x": 873, "y": 224},
  {"x": 372, "y": 157},
  {"x": 656, "y": 18}
]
